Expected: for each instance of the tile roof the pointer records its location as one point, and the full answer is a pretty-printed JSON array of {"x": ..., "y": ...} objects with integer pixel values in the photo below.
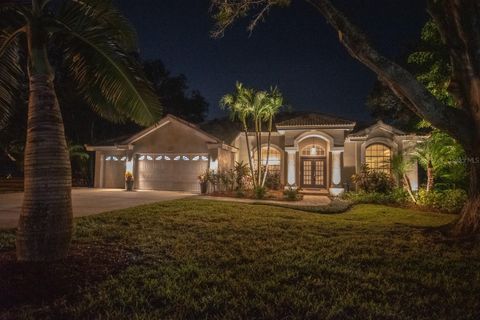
[{"x": 314, "y": 119}]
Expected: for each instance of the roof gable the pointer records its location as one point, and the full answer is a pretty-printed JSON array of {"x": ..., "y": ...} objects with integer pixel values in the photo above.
[{"x": 379, "y": 125}]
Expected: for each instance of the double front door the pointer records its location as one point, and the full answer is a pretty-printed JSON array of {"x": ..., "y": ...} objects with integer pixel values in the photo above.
[{"x": 313, "y": 172}]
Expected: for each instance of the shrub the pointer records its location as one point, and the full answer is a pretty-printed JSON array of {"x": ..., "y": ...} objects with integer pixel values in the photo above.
[
  {"x": 373, "y": 181},
  {"x": 397, "y": 196},
  {"x": 242, "y": 174},
  {"x": 273, "y": 180},
  {"x": 292, "y": 194},
  {"x": 450, "y": 201},
  {"x": 260, "y": 192},
  {"x": 227, "y": 179}
]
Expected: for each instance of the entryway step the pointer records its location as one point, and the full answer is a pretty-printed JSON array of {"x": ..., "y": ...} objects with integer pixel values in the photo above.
[{"x": 315, "y": 192}]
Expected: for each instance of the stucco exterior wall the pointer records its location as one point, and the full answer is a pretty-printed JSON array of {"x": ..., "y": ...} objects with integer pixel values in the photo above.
[{"x": 170, "y": 138}]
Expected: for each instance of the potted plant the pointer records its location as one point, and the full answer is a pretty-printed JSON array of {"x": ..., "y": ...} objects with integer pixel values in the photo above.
[
  {"x": 203, "y": 179},
  {"x": 129, "y": 181}
]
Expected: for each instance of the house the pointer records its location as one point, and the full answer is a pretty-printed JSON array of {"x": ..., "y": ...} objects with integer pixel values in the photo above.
[{"x": 314, "y": 151}]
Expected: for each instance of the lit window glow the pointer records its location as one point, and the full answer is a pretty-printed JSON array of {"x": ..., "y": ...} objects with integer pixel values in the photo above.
[
  {"x": 149, "y": 158},
  {"x": 313, "y": 150},
  {"x": 159, "y": 158},
  {"x": 176, "y": 158},
  {"x": 378, "y": 157},
  {"x": 196, "y": 158},
  {"x": 274, "y": 159}
]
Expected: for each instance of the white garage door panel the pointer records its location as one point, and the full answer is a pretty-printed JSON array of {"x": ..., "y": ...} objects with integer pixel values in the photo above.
[
  {"x": 181, "y": 175},
  {"x": 114, "y": 173}
]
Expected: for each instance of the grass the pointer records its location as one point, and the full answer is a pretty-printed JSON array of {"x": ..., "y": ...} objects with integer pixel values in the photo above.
[{"x": 197, "y": 259}]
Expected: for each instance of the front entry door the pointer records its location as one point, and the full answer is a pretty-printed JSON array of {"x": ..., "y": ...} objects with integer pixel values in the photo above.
[{"x": 313, "y": 172}]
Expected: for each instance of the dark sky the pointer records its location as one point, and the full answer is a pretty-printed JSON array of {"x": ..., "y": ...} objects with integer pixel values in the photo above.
[{"x": 294, "y": 49}]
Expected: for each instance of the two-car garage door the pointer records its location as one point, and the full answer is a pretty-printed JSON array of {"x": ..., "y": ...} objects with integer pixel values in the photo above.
[{"x": 170, "y": 172}]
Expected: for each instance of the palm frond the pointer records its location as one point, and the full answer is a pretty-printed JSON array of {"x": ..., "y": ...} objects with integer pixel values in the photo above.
[
  {"x": 78, "y": 14},
  {"x": 110, "y": 80},
  {"x": 10, "y": 74}
]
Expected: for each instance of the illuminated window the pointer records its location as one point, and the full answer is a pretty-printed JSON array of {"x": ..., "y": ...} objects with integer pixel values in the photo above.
[
  {"x": 176, "y": 158},
  {"x": 204, "y": 158},
  {"x": 159, "y": 158},
  {"x": 378, "y": 157},
  {"x": 166, "y": 158},
  {"x": 149, "y": 158},
  {"x": 141, "y": 158},
  {"x": 115, "y": 158},
  {"x": 196, "y": 158},
  {"x": 108, "y": 158},
  {"x": 273, "y": 160},
  {"x": 123, "y": 159},
  {"x": 313, "y": 150},
  {"x": 185, "y": 158}
]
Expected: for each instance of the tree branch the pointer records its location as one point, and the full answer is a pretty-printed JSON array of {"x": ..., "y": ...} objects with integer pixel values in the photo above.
[{"x": 401, "y": 82}]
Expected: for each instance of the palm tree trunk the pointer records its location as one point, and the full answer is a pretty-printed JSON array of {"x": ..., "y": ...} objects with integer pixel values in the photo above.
[
  {"x": 250, "y": 161},
  {"x": 408, "y": 186},
  {"x": 430, "y": 178},
  {"x": 268, "y": 151},
  {"x": 45, "y": 225}
]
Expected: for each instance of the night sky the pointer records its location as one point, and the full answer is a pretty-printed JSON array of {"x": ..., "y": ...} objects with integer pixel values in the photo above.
[{"x": 294, "y": 49}]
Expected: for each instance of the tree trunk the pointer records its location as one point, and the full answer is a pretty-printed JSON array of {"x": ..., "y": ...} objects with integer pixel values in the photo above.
[
  {"x": 250, "y": 161},
  {"x": 45, "y": 226},
  {"x": 469, "y": 222},
  {"x": 268, "y": 151},
  {"x": 408, "y": 186},
  {"x": 430, "y": 178}
]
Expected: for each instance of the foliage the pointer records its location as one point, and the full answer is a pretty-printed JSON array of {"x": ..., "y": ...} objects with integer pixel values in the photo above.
[
  {"x": 205, "y": 176},
  {"x": 227, "y": 179},
  {"x": 272, "y": 180},
  {"x": 292, "y": 194},
  {"x": 397, "y": 196},
  {"x": 373, "y": 181},
  {"x": 444, "y": 155},
  {"x": 241, "y": 175},
  {"x": 259, "y": 107},
  {"x": 174, "y": 93},
  {"x": 259, "y": 192},
  {"x": 449, "y": 201},
  {"x": 128, "y": 176},
  {"x": 279, "y": 269}
]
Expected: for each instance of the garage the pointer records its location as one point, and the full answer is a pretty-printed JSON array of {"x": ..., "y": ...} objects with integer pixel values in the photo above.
[
  {"x": 114, "y": 171},
  {"x": 169, "y": 155},
  {"x": 177, "y": 172}
]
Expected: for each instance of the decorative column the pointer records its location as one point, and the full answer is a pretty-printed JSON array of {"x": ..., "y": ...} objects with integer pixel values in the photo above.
[
  {"x": 291, "y": 169},
  {"x": 336, "y": 187}
]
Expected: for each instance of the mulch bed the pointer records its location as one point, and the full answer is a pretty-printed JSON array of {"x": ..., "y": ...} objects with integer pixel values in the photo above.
[{"x": 26, "y": 283}]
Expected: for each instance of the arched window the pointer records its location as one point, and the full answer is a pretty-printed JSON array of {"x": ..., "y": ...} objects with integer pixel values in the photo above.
[
  {"x": 378, "y": 157},
  {"x": 273, "y": 160},
  {"x": 313, "y": 150}
]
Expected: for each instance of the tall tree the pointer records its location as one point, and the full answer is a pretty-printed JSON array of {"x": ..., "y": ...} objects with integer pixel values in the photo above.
[
  {"x": 174, "y": 94},
  {"x": 258, "y": 107},
  {"x": 457, "y": 22},
  {"x": 96, "y": 40},
  {"x": 240, "y": 106}
]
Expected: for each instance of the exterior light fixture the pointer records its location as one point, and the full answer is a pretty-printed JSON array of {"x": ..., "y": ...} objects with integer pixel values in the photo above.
[{"x": 313, "y": 149}]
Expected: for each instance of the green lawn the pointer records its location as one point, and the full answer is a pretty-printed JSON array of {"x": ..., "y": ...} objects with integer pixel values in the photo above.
[{"x": 194, "y": 259}]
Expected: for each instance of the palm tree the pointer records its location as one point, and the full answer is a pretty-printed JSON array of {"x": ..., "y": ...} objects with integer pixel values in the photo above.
[
  {"x": 95, "y": 41},
  {"x": 438, "y": 152},
  {"x": 240, "y": 106},
  {"x": 400, "y": 167},
  {"x": 274, "y": 103}
]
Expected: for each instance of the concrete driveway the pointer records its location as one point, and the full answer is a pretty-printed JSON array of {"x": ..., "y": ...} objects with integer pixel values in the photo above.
[{"x": 88, "y": 201}]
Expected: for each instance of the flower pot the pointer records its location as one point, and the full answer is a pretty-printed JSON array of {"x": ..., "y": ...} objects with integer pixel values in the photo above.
[
  {"x": 129, "y": 185},
  {"x": 203, "y": 187}
]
